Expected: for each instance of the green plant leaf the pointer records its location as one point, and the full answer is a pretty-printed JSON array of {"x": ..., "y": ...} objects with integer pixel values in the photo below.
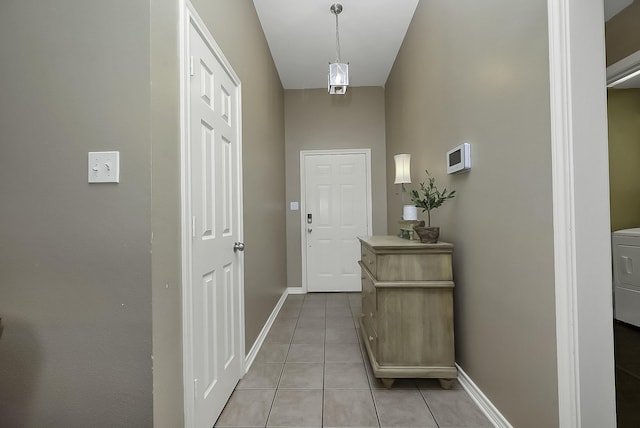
[{"x": 430, "y": 197}]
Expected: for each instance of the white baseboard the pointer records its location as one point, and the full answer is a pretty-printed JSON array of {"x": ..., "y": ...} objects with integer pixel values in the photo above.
[
  {"x": 296, "y": 290},
  {"x": 482, "y": 401},
  {"x": 265, "y": 330}
]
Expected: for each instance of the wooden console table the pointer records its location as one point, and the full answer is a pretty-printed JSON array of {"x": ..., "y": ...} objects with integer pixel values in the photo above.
[{"x": 407, "y": 309}]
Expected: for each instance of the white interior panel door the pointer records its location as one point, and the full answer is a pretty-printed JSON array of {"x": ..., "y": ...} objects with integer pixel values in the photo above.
[
  {"x": 213, "y": 154},
  {"x": 336, "y": 212}
]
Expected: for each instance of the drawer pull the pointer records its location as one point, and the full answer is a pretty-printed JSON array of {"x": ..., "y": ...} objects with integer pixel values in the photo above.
[{"x": 370, "y": 338}]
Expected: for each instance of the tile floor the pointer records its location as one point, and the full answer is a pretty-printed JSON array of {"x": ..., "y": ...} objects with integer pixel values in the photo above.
[{"x": 312, "y": 372}]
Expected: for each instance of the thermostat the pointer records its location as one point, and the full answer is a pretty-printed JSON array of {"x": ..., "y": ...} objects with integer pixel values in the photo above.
[{"x": 459, "y": 158}]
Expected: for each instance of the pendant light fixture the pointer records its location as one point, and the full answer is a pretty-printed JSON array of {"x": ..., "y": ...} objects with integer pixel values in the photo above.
[{"x": 338, "y": 71}]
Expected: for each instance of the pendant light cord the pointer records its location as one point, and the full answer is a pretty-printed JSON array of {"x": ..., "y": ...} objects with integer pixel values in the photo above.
[{"x": 337, "y": 40}]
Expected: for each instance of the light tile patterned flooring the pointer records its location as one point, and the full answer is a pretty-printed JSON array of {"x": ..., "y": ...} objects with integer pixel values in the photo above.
[{"x": 312, "y": 371}]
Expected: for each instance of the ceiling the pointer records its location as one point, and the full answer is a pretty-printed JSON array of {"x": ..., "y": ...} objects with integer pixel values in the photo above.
[{"x": 302, "y": 38}]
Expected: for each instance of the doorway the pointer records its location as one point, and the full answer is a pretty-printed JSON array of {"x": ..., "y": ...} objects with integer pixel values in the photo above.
[
  {"x": 623, "y": 118},
  {"x": 623, "y": 114},
  {"x": 335, "y": 210}
]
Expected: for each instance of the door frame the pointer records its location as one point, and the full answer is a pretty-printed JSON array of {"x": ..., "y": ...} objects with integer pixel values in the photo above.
[
  {"x": 303, "y": 208},
  {"x": 188, "y": 15},
  {"x": 582, "y": 239}
]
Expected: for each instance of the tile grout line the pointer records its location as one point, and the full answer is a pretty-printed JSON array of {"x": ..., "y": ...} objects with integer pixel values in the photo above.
[
  {"x": 266, "y": 423},
  {"x": 324, "y": 364},
  {"x": 433, "y": 415},
  {"x": 366, "y": 373}
]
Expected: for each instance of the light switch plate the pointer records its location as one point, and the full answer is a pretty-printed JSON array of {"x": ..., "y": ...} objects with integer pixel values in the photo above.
[{"x": 104, "y": 167}]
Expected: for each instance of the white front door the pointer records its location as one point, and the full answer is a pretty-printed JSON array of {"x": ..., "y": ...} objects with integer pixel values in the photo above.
[
  {"x": 336, "y": 211},
  {"x": 212, "y": 206}
]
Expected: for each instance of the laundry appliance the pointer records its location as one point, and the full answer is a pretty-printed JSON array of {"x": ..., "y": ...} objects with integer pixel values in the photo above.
[{"x": 626, "y": 275}]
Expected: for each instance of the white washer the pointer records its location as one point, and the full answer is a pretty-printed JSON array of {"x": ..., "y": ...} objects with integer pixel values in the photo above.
[{"x": 626, "y": 275}]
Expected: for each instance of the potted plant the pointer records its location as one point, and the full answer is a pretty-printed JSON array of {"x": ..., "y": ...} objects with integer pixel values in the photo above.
[{"x": 429, "y": 198}]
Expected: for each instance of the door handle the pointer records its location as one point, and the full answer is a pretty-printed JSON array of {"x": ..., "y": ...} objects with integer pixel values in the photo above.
[
  {"x": 309, "y": 230},
  {"x": 238, "y": 246}
]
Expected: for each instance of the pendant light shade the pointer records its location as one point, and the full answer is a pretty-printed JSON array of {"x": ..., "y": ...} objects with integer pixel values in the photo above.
[
  {"x": 403, "y": 168},
  {"x": 338, "y": 79}
]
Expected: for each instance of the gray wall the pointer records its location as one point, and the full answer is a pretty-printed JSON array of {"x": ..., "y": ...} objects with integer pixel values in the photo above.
[
  {"x": 168, "y": 393},
  {"x": 236, "y": 29},
  {"x": 315, "y": 120},
  {"x": 478, "y": 73},
  {"x": 75, "y": 262}
]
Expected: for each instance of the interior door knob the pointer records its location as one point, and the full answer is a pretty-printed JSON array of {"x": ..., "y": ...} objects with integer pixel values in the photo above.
[{"x": 238, "y": 246}]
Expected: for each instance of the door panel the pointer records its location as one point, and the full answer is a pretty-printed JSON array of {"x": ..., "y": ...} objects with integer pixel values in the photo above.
[
  {"x": 213, "y": 205},
  {"x": 336, "y": 196}
]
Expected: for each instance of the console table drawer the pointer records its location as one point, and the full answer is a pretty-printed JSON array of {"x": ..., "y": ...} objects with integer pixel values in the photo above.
[
  {"x": 369, "y": 304},
  {"x": 369, "y": 259}
]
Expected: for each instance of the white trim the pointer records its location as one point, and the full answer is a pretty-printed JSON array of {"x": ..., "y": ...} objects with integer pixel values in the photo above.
[
  {"x": 251, "y": 356},
  {"x": 582, "y": 240},
  {"x": 192, "y": 14},
  {"x": 257, "y": 345},
  {"x": 490, "y": 411},
  {"x": 303, "y": 221},
  {"x": 188, "y": 14},
  {"x": 564, "y": 214},
  {"x": 187, "y": 327},
  {"x": 623, "y": 69}
]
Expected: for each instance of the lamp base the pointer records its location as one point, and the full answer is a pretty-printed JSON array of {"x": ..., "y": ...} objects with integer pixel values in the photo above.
[{"x": 406, "y": 228}]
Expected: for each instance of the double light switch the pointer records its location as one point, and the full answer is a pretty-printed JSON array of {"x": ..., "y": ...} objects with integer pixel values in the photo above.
[{"x": 104, "y": 167}]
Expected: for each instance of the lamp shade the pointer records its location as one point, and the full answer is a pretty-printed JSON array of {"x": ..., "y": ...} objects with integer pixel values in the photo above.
[
  {"x": 403, "y": 168},
  {"x": 338, "y": 78}
]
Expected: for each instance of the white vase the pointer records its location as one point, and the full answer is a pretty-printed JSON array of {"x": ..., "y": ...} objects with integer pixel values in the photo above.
[{"x": 410, "y": 212}]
